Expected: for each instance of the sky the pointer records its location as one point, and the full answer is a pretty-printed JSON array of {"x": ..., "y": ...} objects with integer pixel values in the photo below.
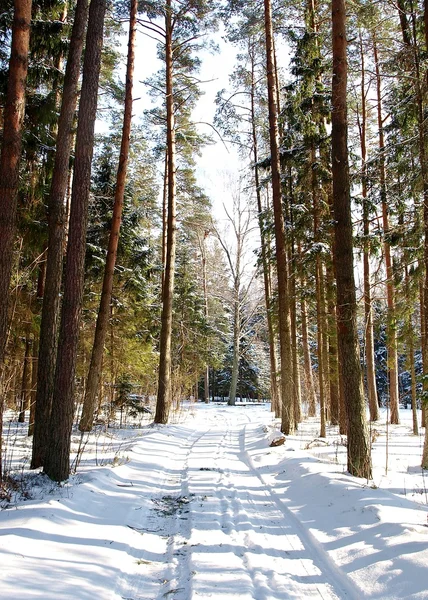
[
  {"x": 204, "y": 508},
  {"x": 218, "y": 160}
]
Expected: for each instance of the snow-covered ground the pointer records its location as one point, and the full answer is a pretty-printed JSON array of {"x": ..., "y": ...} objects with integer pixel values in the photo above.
[{"x": 205, "y": 508}]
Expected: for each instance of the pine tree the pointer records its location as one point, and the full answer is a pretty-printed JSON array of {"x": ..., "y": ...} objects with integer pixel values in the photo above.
[
  {"x": 287, "y": 395},
  {"x": 57, "y": 225},
  {"x": 359, "y": 463},
  {"x": 13, "y": 116},
  {"x": 94, "y": 374},
  {"x": 56, "y": 463}
]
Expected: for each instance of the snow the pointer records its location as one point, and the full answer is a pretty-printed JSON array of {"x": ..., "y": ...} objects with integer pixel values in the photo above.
[{"x": 204, "y": 508}]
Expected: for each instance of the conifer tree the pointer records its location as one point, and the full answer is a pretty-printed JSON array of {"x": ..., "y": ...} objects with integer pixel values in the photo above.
[
  {"x": 56, "y": 225},
  {"x": 94, "y": 374},
  {"x": 287, "y": 387},
  {"x": 13, "y": 116},
  {"x": 359, "y": 462},
  {"x": 56, "y": 463}
]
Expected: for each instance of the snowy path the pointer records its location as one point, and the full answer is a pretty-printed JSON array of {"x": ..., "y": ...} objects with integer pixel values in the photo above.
[
  {"x": 227, "y": 534},
  {"x": 205, "y": 509}
]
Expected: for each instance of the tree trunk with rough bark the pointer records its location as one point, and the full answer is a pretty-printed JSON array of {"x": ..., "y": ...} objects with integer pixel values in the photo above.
[
  {"x": 165, "y": 361},
  {"x": 359, "y": 461},
  {"x": 57, "y": 459},
  {"x": 287, "y": 396},
  {"x": 57, "y": 224},
  {"x": 264, "y": 249},
  {"x": 422, "y": 153},
  {"x": 13, "y": 117},
  {"x": 95, "y": 368},
  {"x": 391, "y": 328},
  {"x": 368, "y": 311},
  {"x": 202, "y": 247}
]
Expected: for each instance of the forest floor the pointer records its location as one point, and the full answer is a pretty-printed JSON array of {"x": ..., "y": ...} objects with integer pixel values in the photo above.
[{"x": 204, "y": 508}]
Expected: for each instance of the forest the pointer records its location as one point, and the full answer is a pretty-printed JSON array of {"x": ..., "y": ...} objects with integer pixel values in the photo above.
[{"x": 119, "y": 289}]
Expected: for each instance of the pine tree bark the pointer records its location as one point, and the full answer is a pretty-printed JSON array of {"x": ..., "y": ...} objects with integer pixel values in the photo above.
[
  {"x": 359, "y": 462},
  {"x": 57, "y": 464},
  {"x": 13, "y": 117},
  {"x": 263, "y": 242},
  {"x": 287, "y": 396},
  {"x": 368, "y": 311},
  {"x": 292, "y": 260},
  {"x": 391, "y": 329},
  {"x": 322, "y": 368},
  {"x": 95, "y": 368},
  {"x": 205, "y": 290},
  {"x": 422, "y": 154},
  {"x": 295, "y": 353},
  {"x": 57, "y": 223},
  {"x": 165, "y": 360},
  {"x": 320, "y": 301}
]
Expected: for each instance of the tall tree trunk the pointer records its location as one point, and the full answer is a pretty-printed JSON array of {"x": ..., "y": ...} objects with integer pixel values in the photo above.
[
  {"x": 57, "y": 463},
  {"x": 13, "y": 117},
  {"x": 322, "y": 367},
  {"x": 411, "y": 352},
  {"x": 359, "y": 462},
  {"x": 94, "y": 375},
  {"x": 164, "y": 216},
  {"x": 319, "y": 287},
  {"x": 165, "y": 360},
  {"x": 57, "y": 226},
  {"x": 287, "y": 415},
  {"x": 391, "y": 337},
  {"x": 205, "y": 290},
  {"x": 422, "y": 153},
  {"x": 368, "y": 311},
  {"x": 292, "y": 260},
  {"x": 295, "y": 352},
  {"x": 307, "y": 363},
  {"x": 263, "y": 242}
]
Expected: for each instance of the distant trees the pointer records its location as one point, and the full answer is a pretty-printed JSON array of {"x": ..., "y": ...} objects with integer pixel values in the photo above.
[
  {"x": 242, "y": 276},
  {"x": 179, "y": 35}
]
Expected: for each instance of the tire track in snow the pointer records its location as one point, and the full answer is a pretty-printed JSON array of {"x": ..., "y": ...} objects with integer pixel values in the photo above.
[
  {"x": 237, "y": 540},
  {"x": 266, "y": 554},
  {"x": 341, "y": 585},
  {"x": 161, "y": 525}
]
